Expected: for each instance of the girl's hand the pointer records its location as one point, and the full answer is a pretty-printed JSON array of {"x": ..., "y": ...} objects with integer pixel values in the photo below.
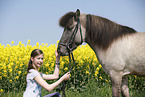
[{"x": 66, "y": 76}]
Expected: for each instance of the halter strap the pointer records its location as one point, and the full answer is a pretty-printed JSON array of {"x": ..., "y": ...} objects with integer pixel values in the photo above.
[{"x": 70, "y": 69}]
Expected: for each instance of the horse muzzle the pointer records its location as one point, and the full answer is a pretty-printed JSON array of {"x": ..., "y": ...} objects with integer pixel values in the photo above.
[{"x": 62, "y": 50}]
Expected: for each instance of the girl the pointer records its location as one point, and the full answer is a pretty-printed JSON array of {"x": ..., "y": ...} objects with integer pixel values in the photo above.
[{"x": 35, "y": 80}]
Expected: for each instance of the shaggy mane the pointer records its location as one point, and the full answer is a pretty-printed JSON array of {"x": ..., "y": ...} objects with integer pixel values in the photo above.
[
  {"x": 104, "y": 32},
  {"x": 66, "y": 19}
]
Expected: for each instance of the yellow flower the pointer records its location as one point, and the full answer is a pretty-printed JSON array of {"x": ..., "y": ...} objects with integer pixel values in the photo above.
[
  {"x": 87, "y": 72},
  {"x": 88, "y": 66},
  {"x": 42, "y": 43},
  {"x": 57, "y": 41},
  {"x": 46, "y": 44},
  {"x": 10, "y": 81},
  {"x": 17, "y": 62},
  {"x": 10, "y": 70},
  {"x": 28, "y": 42},
  {"x": 21, "y": 65},
  {"x": 97, "y": 69},
  {"x": 100, "y": 66},
  {"x": 5, "y": 75},
  {"x": 8, "y": 45},
  {"x": 62, "y": 64},
  {"x": 81, "y": 62},
  {"x": 19, "y": 72},
  {"x": 100, "y": 77},
  {"x": 5, "y": 71},
  {"x": 96, "y": 73},
  {"x": 1, "y": 90},
  {"x": 37, "y": 44},
  {"x": 12, "y": 42},
  {"x": 20, "y": 42},
  {"x": 65, "y": 68},
  {"x": 16, "y": 77},
  {"x": 47, "y": 65}
]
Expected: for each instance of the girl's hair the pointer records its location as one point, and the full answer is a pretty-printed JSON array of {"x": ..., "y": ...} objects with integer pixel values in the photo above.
[{"x": 34, "y": 53}]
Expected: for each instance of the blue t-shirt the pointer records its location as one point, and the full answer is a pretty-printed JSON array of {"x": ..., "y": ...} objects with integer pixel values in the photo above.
[{"x": 33, "y": 89}]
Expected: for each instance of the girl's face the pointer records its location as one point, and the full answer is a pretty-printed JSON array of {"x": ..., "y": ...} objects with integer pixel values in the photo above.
[{"x": 37, "y": 61}]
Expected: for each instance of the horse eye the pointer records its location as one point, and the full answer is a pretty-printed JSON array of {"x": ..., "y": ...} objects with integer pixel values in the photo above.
[{"x": 70, "y": 28}]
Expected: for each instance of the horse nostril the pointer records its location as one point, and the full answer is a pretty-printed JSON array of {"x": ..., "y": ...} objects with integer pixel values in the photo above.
[{"x": 59, "y": 52}]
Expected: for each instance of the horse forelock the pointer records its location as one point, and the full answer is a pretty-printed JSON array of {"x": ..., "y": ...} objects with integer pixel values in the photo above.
[
  {"x": 65, "y": 20},
  {"x": 104, "y": 32}
]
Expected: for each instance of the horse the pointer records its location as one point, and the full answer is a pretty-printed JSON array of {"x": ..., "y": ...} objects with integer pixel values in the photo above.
[{"x": 119, "y": 49}]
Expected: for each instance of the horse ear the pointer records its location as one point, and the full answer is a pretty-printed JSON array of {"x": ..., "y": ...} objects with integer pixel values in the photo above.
[{"x": 77, "y": 14}]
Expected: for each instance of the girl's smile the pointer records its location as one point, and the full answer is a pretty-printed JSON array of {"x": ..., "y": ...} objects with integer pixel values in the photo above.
[{"x": 37, "y": 61}]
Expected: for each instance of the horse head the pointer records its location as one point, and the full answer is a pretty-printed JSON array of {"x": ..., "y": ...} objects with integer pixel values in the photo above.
[{"x": 72, "y": 35}]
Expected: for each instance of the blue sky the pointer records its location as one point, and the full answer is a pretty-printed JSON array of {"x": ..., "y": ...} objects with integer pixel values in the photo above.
[{"x": 37, "y": 20}]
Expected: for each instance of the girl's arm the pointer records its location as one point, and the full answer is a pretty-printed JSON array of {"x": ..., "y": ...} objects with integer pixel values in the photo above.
[
  {"x": 55, "y": 75},
  {"x": 50, "y": 87}
]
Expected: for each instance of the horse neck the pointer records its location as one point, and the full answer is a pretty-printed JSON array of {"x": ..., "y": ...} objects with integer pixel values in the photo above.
[{"x": 101, "y": 32}]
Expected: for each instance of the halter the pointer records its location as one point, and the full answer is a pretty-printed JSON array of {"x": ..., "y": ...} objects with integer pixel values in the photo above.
[
  {"x": 68, "y": 46},
  {"x": 72, "y": 38}
]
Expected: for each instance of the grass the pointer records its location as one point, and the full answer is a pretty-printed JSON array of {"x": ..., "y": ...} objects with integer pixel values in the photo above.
[{"x": 92, "y": 89}]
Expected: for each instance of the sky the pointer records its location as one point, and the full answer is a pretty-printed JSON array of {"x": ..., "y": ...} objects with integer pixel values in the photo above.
[{"x": 38, "y": 20}]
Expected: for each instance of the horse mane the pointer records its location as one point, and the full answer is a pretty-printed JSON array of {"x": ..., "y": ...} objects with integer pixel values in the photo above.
[
  {"x": 104, "y": 32},
  {"x": 66, "y": 20}
]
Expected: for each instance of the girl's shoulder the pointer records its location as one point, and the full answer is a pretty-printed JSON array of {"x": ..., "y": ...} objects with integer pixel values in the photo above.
[
  {"x": 32, "y": 73},
  {"x": 32, "y": 70}
]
